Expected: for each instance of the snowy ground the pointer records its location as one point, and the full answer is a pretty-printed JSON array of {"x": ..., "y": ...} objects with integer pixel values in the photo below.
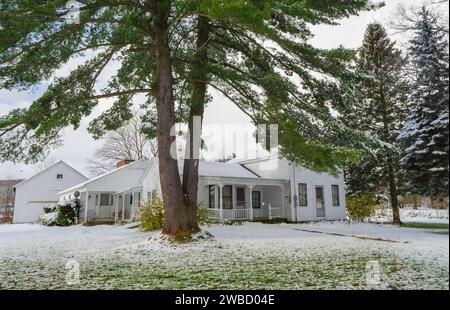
[
  {"x": 423, "y": 215},
  {"x": 249, "y": 256}
]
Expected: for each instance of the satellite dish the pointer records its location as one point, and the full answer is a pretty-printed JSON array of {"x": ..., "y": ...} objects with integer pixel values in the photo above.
[{"x": 76, "y": 194}]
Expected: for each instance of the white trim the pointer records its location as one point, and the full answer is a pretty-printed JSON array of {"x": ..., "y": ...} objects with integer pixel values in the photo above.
[
  {"x": 51, "y": 166},
  {"x": 99, "y": 177}
]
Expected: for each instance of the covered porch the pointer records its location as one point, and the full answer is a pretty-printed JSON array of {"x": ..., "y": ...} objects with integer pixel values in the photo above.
[
  {"x": 240, "y": 199},
  {"x": 102, "y": 206}
]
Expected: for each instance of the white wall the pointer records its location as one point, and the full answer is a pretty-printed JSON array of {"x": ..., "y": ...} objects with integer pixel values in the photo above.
[
  {"x": 282, "y": 169},
  {"x": 41, "y": 190},
  {"x": 151, "y": 181},
  {"x": 313, "y": 179}
]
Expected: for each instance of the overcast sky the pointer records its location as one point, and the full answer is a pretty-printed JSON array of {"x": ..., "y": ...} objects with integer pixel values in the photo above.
[{"x": 78, "y": 146}]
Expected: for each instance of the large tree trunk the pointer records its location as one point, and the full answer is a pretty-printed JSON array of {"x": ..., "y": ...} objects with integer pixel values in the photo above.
[
  {"x": 191, "y": 162},
  {"x": 176, "y": 216},
  {"x": 393, "y": 194}
]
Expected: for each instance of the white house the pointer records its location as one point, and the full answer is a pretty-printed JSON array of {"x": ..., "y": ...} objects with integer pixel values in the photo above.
[
  {"x": 263, "y": 188},
  {"x": 41, "y": 190}
]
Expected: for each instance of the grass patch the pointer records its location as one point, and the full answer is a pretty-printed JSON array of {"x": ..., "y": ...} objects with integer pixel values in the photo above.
[
  {"x": 221, "y": 269},
  {"x": 425, "y": 225}
]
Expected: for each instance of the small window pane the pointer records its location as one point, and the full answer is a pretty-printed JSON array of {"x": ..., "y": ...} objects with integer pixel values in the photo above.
[
  {"x": 256, "y": 200},
  {"x": 104, "y": 199},
  {"x": 302, "y": 194},
  {"x": 212, "y": 196},
  {"x": 335, "y": 194},
  {"x": 227, "y": 195}
]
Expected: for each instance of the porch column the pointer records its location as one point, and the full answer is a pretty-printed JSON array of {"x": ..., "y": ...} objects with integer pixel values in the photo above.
[
  {"x": 116, "y": 208},
  {"x": 270, "y": 211},
  {"x": 282, "y": 201},
  {"x": 123, "y": 207},
  {"x": 251, "y": 201},
  {"x": 220, "y": 201},
  {"x": 86, "y": 207}
]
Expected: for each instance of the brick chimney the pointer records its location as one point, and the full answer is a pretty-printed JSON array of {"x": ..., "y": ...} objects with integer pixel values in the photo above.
[{"x": 124, "y": 162}]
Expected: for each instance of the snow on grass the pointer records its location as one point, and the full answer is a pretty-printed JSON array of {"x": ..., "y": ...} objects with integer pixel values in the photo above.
[
  {"x": 425, "y": 215},
  {"x": 247, "y": 256}
]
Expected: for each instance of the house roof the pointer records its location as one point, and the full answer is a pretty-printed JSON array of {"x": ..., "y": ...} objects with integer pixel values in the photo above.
[
  {"x": 49, "y": 167},
  {"x": 215, "y": 169},
  {"x": 103, "y": 175},
  {"x": 252, "y": 160}
]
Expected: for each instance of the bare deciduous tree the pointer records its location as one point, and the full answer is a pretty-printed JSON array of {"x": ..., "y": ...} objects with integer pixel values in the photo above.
[
  {"x": 406, "y": 16},
  {"x": 128, "y": 142}
]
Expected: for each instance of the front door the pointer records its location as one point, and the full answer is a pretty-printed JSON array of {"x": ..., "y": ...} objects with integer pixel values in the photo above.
[
  {"x": 105, "y": 206},
  {"x": 320, "y": 203}
]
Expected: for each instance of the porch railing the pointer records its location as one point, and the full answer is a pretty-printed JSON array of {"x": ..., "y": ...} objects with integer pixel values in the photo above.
[
  {"x": 214, "y": 213},
  {"x": 236, "y": 214},
  {"x": 276, "y": 212},
  {"x": 244, "y": 214}
]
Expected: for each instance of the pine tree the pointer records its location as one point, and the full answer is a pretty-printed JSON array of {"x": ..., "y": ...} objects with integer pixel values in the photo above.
[
  {"x": 425, "y": 134},
  {"x": 172, "y": 51},
  {"x": 379, "y": 113}
]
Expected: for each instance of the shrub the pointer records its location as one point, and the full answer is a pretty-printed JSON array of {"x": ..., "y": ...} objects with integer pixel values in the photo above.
[
  {"x": 360, "y": 207},
  {"x": 202, "y": 216},
  {"x": 151, "y": 215},
  {"x": 64, "y": 213}
]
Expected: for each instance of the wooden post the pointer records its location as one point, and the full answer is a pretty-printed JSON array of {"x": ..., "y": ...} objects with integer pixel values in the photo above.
[
  {"x": 86, "y": 207},
  {"x": 123, "y": 207},
  {"x": 251, "y": 202},
  {"x": 270, "y": 211},
  {"x": 116, "y": 209},
  {"x": 221, "y": 201}
]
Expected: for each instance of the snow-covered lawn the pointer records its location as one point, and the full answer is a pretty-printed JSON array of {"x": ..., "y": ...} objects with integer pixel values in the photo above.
[
  {"x": 423, "y": 215},
  {"x": 248, "y": 256}
]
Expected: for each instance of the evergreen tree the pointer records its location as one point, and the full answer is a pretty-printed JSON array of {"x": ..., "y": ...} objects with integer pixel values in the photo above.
[
  {"x": 380, "y": 113},
  {"x": 172, "y": 51},
  {"x": 425, "y": 134}
]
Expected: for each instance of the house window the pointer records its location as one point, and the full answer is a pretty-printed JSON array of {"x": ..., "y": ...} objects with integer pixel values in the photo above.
[
  {"x": 149, "y": 195},
  {"x": 227, "y": 196},
  {"x": 240, "y": 197},
  {"x": 335, "y": 195},
  {"x": 96, "y": 199},
  {"x": 302, "y": 195},
  {"x": 104, "y": 199},
  {"x": 131, "y": 199},
  {"x": 211, "y": 196},
  {"x": 256, "y": 199},
  {"x": 59, "y": 176}
]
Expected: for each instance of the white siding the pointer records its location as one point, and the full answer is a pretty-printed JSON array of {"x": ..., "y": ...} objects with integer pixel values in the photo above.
[
  {"x": 313, "y": 179},
  {"x": 273, "y": 168},
  {"x": 41, "y": 190}
]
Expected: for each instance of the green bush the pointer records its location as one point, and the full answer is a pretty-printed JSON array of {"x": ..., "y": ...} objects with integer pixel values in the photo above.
[
  {"x": 64, "y": 213},
  {"x": 151, "y": 215},
  {"x": 360, "y": 207},
  {"x": 202, "y": 216}
]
